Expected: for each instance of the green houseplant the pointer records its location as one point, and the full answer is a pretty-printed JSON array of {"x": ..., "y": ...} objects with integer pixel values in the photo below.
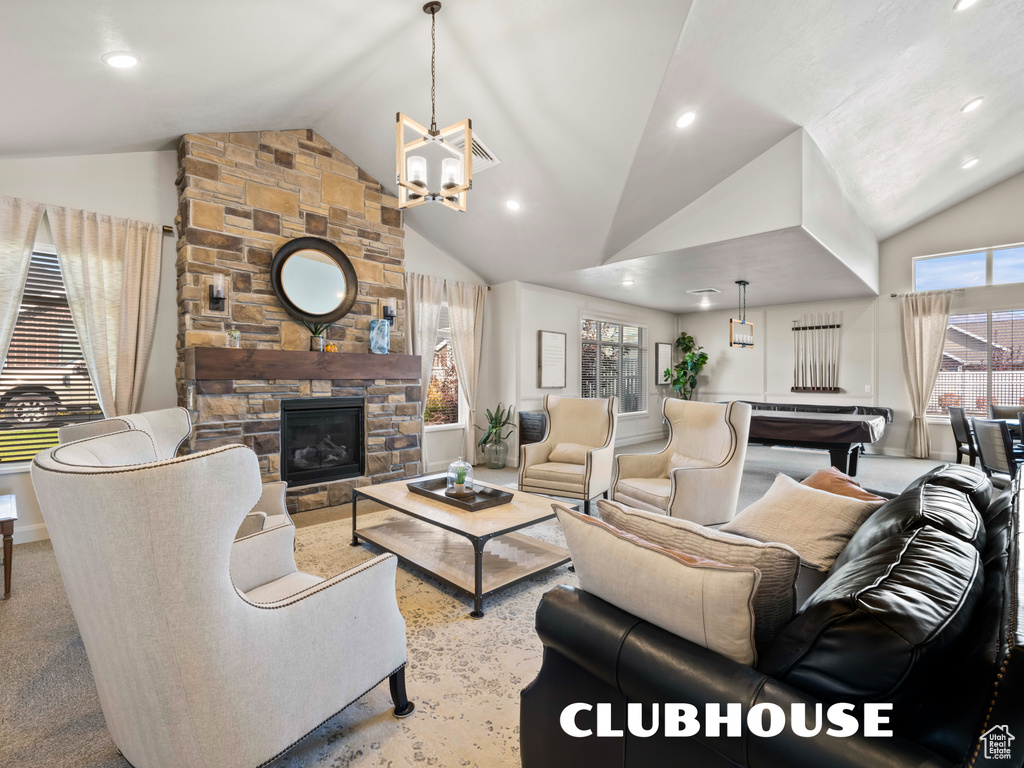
[
  {"x": 317, "y": 342},
  {"x": 683, "y": 375},
  {"x": 493, "y": 442}
]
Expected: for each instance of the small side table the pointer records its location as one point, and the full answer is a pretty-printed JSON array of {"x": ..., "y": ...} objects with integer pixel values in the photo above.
[{"x": 8, "y": 514}]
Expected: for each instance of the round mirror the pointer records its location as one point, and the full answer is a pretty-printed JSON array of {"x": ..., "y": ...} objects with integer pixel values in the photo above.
[{"x": 314, "y": 280}]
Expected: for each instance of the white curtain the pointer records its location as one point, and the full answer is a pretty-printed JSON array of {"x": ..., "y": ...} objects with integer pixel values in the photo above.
[
  {"x": 19, "y": 220},
  {"x": 423, "y": 295},
  {"x": 111, "y": 271},
  {"x": 466, "y": 309},
  {"x": 923, "y": 321}
]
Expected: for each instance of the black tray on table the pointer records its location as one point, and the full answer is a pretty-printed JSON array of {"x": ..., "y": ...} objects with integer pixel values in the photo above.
[{"x": 483, "y": 497}]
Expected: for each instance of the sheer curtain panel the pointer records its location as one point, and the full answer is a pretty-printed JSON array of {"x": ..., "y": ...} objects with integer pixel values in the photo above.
[
  {"x": 111, "y": 272},
  {"x": 423, "y": 309},
  {"x": 923, "y": 321},
  {"x": 466, "y": 303},
  {"x": 19, "y": 220}
]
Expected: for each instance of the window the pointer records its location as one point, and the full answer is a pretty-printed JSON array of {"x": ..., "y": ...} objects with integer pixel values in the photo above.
[
  {"x": 982, "y": 363},
  {"x": 44, "y": 382},
  {"x": 614, "y": 362},
  {"x": 443, "y": 393},
  {"x": 995, "y": 266}
]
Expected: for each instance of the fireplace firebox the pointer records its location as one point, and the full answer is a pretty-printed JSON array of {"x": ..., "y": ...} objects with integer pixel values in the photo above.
[{"x": 322, "y": 438}]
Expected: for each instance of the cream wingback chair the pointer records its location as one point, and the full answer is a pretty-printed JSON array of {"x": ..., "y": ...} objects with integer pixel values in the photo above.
[
  {"x": 169, "y": 428},
  {"x": 574, "y": 460},
  {"x": 697, "y": 475},
  {"x": 207, "y": 652}
]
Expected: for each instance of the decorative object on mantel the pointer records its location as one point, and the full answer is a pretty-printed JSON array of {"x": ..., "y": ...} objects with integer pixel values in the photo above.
[
  {"x": 234, "y": 337},
  {"x": 317, "y": 340},
  {"x": 314, "y": 281},
  {"x": 663, "y": 362},
  {"x": 816, "y": 352},
  {"x": 741, "y": 333},
  {"x": 493, "y": 442},
  {"x": 683, "y": 375},
  {"x": 482, "y": 497},
  {"x": 551, "y": 359},
  {"x": 456, "y": 171},
  {"x": 218, "y": 297},
  {"x": 460, "y": 478},
  {"x": 331, "y": 347},
  {"x": 380, "y": 329}
]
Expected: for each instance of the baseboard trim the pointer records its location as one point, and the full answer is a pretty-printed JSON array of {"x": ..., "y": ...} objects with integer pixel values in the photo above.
[
  {"x": 659, "y": 435},
  {"x": 25, "y": 534}
]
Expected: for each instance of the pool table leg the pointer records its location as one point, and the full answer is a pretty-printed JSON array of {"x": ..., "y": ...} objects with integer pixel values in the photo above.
[{"x": 845, "y": 459}]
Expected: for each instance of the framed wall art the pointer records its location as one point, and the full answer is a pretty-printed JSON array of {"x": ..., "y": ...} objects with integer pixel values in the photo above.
[
  {"x": 550, "y": 359},
  {"x": 662, "y": 362}
]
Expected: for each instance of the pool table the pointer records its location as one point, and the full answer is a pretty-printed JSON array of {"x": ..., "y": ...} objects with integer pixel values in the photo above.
[{"x": 842, "y": 430}]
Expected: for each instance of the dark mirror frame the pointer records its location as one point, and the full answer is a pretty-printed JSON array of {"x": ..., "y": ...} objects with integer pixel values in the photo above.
[{"x": 328, "y": 249}]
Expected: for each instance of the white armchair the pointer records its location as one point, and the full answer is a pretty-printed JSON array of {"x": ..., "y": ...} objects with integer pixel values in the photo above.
[
  {"x": 207, "y": 652},
  {"x": 169, "y": 428},
  {"x": 696, "y": 476},
  {"x": 574, "y": 460}
]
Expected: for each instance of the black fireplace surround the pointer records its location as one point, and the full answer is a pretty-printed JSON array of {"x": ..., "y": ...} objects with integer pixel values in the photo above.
[{"x": 322, "y": 439}]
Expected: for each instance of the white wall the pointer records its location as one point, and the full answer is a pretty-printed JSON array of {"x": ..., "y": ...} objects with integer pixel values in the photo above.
[
  {"x": 138, "y": 185},
  {"x": 871, "y": 353}
]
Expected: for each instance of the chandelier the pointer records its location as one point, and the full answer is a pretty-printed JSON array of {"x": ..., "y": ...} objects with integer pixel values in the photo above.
[
  {"x": 741, "y": 333},
  {"x": 456, "y": 172}
]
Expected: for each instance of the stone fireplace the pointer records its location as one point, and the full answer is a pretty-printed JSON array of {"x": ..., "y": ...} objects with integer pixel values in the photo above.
[{"x": 241, "y": 196}]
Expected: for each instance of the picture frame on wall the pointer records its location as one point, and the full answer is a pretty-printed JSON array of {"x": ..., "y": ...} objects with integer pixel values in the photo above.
[
  {"x": 551, "y": 359},
  {"x": 662, "y": 361}
]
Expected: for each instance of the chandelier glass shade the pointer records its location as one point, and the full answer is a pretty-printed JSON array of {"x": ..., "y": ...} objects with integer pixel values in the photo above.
[{"x": 451, "y": 179}]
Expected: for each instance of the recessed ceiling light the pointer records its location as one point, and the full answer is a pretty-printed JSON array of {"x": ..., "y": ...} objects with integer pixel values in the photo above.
[
  {"x": 963, "y": 5},
  {"x": 628, "y": 281},
  {"x": 513, "y": 205},
  {"x": 705, "y": 302},
  {"x": 121, "y": 59},
  {"x": 972, "y": 105},
  {"x": 969, "y": 163},
  {"x": 686, "y": 119}
]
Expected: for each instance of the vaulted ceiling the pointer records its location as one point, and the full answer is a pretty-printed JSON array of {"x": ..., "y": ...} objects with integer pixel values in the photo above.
[{"x": 578, "y": 100}]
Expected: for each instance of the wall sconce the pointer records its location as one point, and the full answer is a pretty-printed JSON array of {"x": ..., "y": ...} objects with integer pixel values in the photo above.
[
  {"x": 388, "y": 311},
  {"x": 217, "y": 295}
]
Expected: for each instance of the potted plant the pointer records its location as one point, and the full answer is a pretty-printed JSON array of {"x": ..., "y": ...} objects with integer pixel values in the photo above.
[
  {"x": 460, "y": 478},
  {"x": 683, "y": 375},
  {"x": 317, "y": 341},
  {"x": 493, "y": 442}
]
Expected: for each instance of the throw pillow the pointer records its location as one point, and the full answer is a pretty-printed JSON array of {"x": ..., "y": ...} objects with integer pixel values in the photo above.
[
  {"x": 569, "y": 453},
  {"x": 678, "y": 460},
  {"x": 779, "y": 565},
  {"x": 817, "y": 524},
  {"x": 834, "y": 481},
  {"x": 703, "y": 601}
]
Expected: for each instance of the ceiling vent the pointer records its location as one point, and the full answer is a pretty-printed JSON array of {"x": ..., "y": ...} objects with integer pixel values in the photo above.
[
  {"x": 483, "y": 158},
  {"x": 703, "y": 291}
]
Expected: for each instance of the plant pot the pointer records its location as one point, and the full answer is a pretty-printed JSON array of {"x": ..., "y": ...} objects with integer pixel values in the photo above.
[
  {"x": 317, "y": 343},
  {"x": 495, "y": 454}
]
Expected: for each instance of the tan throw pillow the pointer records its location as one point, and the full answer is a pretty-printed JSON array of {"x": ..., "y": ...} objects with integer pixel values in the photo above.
[
  {"x": 569, "y": 453},
  {"x": 775, "y": 601},
  {"x": 678, "y": 460},
  {"x": 700, "y": 600},
  {"x": 817, "y": 524},
  {"x": 834, "y": 481}
]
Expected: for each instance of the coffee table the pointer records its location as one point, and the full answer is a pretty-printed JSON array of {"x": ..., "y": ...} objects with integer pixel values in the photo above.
[{"x": 451, "y": 545}]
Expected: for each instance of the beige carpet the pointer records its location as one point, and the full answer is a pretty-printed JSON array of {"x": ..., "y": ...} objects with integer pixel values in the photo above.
[{"x": 464, "y": 675}]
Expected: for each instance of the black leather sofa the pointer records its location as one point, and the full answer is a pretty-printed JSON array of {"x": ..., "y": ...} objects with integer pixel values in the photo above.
[{"x": 949, "y": 682}]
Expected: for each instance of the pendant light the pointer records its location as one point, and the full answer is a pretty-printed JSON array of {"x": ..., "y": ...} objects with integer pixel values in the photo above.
[
  {"x": 455, "y": 179},
  {"x": 741, "y": 333}
]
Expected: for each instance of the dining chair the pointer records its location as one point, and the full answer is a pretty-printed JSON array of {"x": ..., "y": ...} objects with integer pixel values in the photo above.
[
  {"x": 995, "y": 448},
  {"x": 962, "y": 434}
]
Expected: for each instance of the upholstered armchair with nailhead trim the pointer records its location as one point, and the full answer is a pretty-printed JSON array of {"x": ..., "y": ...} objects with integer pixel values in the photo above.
[
  {"x": 207, "y": 651},
  {"x": 170, "y": 428},
  {"x": 697, "y": 475}
]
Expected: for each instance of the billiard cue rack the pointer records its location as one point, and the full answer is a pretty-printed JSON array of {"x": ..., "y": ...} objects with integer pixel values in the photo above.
[{"x": 816, "y": 353}]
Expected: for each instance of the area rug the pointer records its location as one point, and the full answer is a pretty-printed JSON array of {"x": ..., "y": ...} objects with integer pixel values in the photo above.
[{"x": 464, "y": 675}]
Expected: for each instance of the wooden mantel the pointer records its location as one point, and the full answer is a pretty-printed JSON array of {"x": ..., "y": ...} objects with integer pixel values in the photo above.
[{"x": 211, "y": 363}]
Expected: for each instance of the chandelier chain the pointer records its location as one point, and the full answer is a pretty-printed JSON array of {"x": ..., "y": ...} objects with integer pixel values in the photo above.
[{"x": 433, "y": 51}]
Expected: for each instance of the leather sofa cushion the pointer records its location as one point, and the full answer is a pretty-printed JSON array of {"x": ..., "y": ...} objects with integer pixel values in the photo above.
[
  {"x": 701, "y": 600},
  {"x": 882, "y": 623},
  {"x": 775, "y": 598},
  {"x": 940, "y": 507},
  {"x": 556, "y": 472},
  {"x": 650, "y": 490},
  {"x": 964, "y": 478}
]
